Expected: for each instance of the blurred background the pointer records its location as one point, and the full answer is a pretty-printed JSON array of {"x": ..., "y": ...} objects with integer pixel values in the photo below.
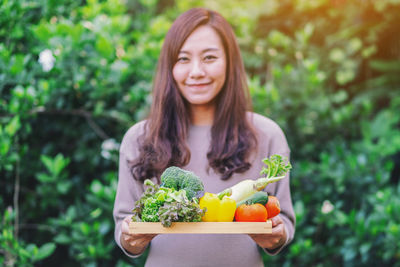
[{"x": 75, "y": 75}]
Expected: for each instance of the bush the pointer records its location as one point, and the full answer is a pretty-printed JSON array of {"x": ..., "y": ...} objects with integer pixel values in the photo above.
[{"x": 74, "y": 75}]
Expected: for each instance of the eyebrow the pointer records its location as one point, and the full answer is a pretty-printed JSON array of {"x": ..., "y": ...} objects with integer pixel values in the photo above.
[{"x": 204, "y": 51}]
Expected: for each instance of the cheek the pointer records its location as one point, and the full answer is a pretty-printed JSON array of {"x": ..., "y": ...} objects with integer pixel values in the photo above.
[
  {"x": 219, "y": 72},
  {"x": 219, "y": 69},
  {"x": 178, "y": 74}
]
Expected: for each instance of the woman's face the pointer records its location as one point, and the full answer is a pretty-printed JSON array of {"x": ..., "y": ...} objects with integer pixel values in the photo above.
[{"x": 200, "y": 68}]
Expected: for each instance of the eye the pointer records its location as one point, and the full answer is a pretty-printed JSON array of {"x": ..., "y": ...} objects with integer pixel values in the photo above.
[
  {"x": 183, "y": 59},
  {"x": 210, "y": 58}
]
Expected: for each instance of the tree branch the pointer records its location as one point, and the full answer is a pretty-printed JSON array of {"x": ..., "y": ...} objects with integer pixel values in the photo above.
[
  {"x": 37, "y": 226},
  {"x": 96, "y": 128},
  {"x": 16, "y": 196},
  {"x": 75, "y": 112}
]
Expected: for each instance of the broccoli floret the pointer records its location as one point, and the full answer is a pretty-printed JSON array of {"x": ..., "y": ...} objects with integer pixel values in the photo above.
[
  {"x": 172, "y": 177},
  {"x": 193, "y": 186},
  {"x": 177, "y": 178}
]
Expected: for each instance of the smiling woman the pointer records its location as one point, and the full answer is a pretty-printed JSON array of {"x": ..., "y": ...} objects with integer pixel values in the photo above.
[
  {"x": 198, "y": 38},
  {"x": 201, "y": 121}
]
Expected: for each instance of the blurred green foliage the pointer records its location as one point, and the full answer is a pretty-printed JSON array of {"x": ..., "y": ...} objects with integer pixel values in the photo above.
[{"x": 74, "y": 75}]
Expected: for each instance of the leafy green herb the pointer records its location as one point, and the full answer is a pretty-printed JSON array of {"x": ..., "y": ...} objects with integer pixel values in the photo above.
[
  {"x": 150, "y": 210},
  {"x": 276, "y": 166},
  {"x": 186, "y": 211},
  {"x": 140, "y": 204}
]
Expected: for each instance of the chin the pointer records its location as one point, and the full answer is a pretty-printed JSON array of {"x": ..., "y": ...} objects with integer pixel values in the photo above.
[
  {"x": 199, "y": 102},
  {"x": 198, "y": 99}
]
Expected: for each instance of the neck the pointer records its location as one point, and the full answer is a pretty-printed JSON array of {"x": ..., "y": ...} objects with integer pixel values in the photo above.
[{"x": 201, "y": 115}]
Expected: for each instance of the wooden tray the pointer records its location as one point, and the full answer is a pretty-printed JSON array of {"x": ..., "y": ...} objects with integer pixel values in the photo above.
[{"x": 202, "y": 228}]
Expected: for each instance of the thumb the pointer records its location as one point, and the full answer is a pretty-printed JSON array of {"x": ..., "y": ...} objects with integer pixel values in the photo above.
[{"x": 125, "y": 224}]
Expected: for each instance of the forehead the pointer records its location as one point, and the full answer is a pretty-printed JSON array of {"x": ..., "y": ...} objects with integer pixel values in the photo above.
[{"x": 203, "y": 37}]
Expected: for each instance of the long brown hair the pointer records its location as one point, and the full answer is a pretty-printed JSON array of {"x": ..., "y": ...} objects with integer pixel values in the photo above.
[{"x": 163, "y": 142}]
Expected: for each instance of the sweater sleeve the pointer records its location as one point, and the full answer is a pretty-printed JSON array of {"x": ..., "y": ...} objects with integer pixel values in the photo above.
[
  {"x": 272, "y": 140},
  {"x": 281, "y": 190},
  {"x": 128, "y": 190}
]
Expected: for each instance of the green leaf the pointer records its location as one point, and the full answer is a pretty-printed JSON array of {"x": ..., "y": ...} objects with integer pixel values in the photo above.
[
  {"x": 96, "y": 213},
  {"x": 44, "y": 178},
  {"x": 71, "y": 213},
  {"x": 85, "y": 228},
  {"x": 60, "y": 163},
  {"x": 18, "y": 64},
  {"x": 63, "y": 187},
  {"x": 105, "y": 47},
  {"x": 5, "y": 144},
  {"x": 44, "y": 251},
  {"x": 13, "y": 126},
  {"x": 345, "y": 76},
  {"x": 355, "y": 45},
  {"x": 278, "y": 39},
  {"x": 56, "y": 165},
  {"x": 369, "y": 51},
  {"x": 62, "y": 239},
  {"x": 32, "y": 248},
  {"x": 28, "y": 252},
  {"x": 48, "y": 162},
  {"x": 96, "y": 187},
  {"x": 336, "y": 55},
  {"x": 42, "y": 32},
  {"x": 340, "y": 97},
  {"x": 382, "y": 124},
  {"x": 349, "y": 254},
  {"x": 385, "y": 65},
  {"x": 92, "y": 250}
]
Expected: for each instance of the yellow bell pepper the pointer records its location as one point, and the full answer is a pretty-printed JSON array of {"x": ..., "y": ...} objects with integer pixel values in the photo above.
[{"x": 219, "y": 208}]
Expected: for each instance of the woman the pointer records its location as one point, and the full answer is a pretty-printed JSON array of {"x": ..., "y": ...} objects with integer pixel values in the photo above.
[{"x": 200, "y": 121}]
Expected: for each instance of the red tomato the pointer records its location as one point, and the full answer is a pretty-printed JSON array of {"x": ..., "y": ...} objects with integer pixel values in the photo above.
[
  {"x": 251, "y": 213},
  {"x": 273, "y": 206}
]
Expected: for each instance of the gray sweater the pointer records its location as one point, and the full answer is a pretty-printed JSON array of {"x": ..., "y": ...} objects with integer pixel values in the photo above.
[{"x": 206, "y": 249}]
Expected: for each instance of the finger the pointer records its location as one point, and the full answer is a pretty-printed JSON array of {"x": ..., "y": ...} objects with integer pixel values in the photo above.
[
  {"x": 277, "y": 230},
  {"x": 124, "y": 227},
  {"x": 276, "y": 221},
  {"x": 125, "y": 224},
  {"x": 146, "y": 237},
  {"x": 279, "y": 234},
  {"x": 128, "y": 219},
  {"x": 142, "y": 236},
  {"x": 140, "y": 239},
  {"x": 126, "y": 237},
  {"x": 262, "y": 240}
]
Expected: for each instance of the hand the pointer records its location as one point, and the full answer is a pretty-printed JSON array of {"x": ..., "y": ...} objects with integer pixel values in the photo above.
[
  {"x": 134, "y": 243},
  {"x": 274, "y": 240}
]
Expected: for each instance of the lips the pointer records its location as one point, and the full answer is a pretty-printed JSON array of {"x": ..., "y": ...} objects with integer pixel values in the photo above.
[
  {"x": 197, "y": 84},
  {"x": 198, "y": 87}
]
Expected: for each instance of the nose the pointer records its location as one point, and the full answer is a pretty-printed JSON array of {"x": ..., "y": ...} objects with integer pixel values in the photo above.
[{"x": 196, "y": 70}]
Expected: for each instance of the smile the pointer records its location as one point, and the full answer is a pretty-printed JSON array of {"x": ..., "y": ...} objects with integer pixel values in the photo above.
[{"x": 198, "y": 84}]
